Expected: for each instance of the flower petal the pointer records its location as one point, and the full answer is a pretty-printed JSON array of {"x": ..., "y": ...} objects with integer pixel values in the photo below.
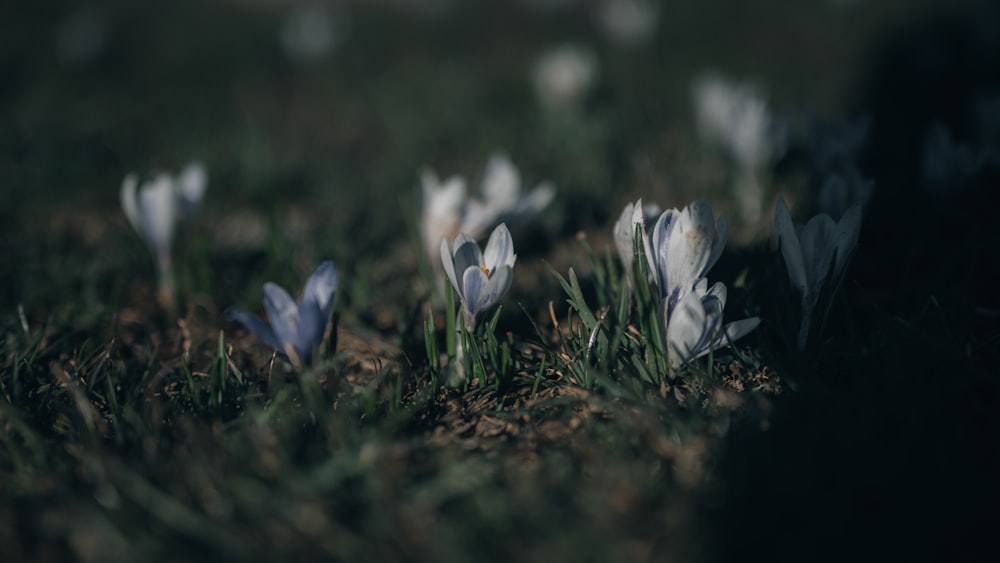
[
  {"x": 624, "y": 233},
  {"x": 448, "y": 263},
  {"x": 496, "y": 287},
  {"x": 191, "y": 184},
  {"x": 659, "y": 241},
  {"x": 738, "y": 329},
  {"x": 500, "y": 184},
  {"x": 685, "y": 329},
  {"x": 846, "y": 237},
  {"x": 690, "y": 245},
  {"x": 473, "y": 282},
  {"x": 537, "y": 200},
  {"x": 816, "y": 240},
  {"x": 499, "y": 249},
  {"x": 257, "y": 326},
  {"x": 315, "y": 305},
  {"x": 158, "y": 211},
  {"x": 467, "y": 254},
  {"x": 791, "y": 251},
  {"x": 283, "y": 314},
  {"x": 130, "y": 204}
]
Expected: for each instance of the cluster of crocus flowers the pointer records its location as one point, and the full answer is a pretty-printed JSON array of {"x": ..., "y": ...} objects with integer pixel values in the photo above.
[
  {"x": 815, "y": 253},
  {"x": 680, "y": 249},
  {"x": 448, "y": 209},
  {"x": 156, "y": 208},
  {"x": 480, "y": 278},
  {"x": 295, "y": 328}
]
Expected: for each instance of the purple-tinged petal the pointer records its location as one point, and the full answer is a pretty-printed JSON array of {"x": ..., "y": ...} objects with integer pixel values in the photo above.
[
  {"x": 316, "y": 304},
  {"x": 659, "y": 240},
  {"x": 283, "y": 314},
  {"x": 257, "y": 326},
  {"x": 467, "y": 254},
  {"x": 473, "y": 282}
]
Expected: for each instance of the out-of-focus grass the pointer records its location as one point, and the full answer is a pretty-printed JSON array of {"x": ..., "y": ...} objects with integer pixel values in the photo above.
[{"x": 126, "y": 435}]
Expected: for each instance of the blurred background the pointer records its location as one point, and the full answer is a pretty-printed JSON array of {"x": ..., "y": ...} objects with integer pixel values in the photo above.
[{"x": 314, "y": 119}]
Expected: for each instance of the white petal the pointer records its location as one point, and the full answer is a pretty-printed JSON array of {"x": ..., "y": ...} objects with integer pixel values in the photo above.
[
  {"x": 496, "y": 287},
  {"x": 130, "y": 204},
  {"x": 685, "y": 329},
  {"x": 624, "y": 234},
  {"x": 192, "y": 182},
  {"x": 537, "y": 200},
  {"x": 499, "y": 249},
  {"x": 690, "y": 244},
  {"x": 791, "y": 251},
  {"x": 448, "y": 263},
  {"x": 501, "y": 184},
  {"x": 441, "y": 211},
  {"x": 158, "y": 212}
]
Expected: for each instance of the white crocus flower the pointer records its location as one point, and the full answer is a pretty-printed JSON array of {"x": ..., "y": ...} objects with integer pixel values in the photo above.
[
  {"x": 154, "y": 210},
  {"x": 735, "y": 117},
  {"x": 814, "y": 253},
  {"x": 564, "y": 75},
  {"x": 448, "y": 209},
  {"x": 694, "y": 325},
  {"x": 685, "y": 246},
  {"x": 480, "y": 278},
  {"x": 443, "y": 204}
]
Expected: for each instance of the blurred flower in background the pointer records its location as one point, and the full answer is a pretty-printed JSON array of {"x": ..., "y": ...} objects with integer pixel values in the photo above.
[
  {"x": 156, "y": 208},
  {"x": 310, "y": 32},
  {"x": 564, "y": 75},
  {"x": 949, "y": 166},
  {"x": 815, "y": 255},
  {"x": 448, "y": 210},
  {"x": 627, "y": 22},
  {"x": 735, "y": 118}
]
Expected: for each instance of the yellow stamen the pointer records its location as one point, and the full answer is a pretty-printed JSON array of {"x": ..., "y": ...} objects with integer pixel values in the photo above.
[{"x": 484, "y": 269}]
